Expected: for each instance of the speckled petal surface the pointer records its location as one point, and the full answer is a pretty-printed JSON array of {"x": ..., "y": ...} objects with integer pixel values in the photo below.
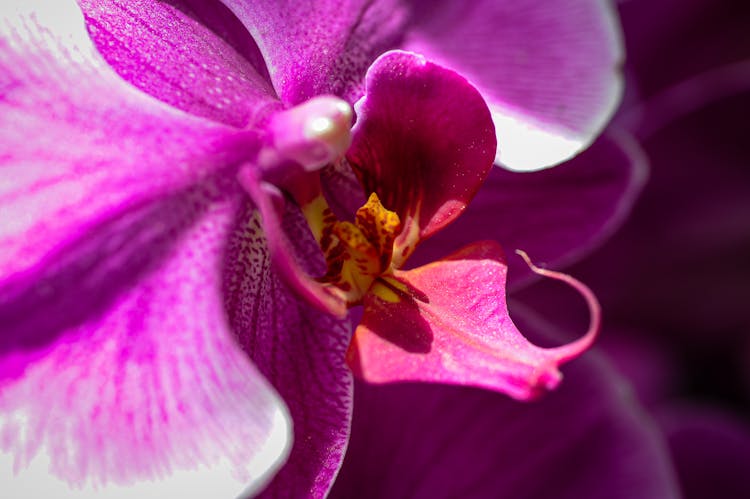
[
  {"x": 320, "y": 47},
  {"x": 556, "y": 215},
  {"x": 464, "y": 336},
  {"x": 423, "y": 141},
  {"x": 80, "y": 147},
  {"x": 193, "y": 55},
  {"x": 149, "y": 396},
  {"x": 548, "y": 70},
  {"x": 299, "y": 350},
  {"x": 270, "y": 204}
]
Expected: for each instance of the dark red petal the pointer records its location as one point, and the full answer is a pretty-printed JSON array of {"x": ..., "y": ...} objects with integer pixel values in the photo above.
[{"x": 423, "y": 141}]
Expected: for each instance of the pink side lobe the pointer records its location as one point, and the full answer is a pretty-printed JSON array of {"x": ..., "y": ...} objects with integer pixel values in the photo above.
[
  {"x": 270, "y": 202},
  {"x": 464, "y": 336}
]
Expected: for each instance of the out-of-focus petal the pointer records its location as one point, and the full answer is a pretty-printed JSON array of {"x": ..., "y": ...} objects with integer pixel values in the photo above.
[
  {"x": 549, "y": 70},
  {"x": 587, "y": 439},
  {"x": 423, "y": 141},
  {"x": 643, "y": 359},
  {"x": 687, "y": 241},
  {"x": 301, "y": 351},
  {"x": 80, "y": 146},
  {"x": 164, "y": 49},
  {"x": 710, "y": 450},
  {"x": 321, "y": 47},
  {"x": 416, "y": 331},
  {"x": 556, "y": 215},
  {"x": 149, "y": 397},
  {"x": 677, "y": 41}
]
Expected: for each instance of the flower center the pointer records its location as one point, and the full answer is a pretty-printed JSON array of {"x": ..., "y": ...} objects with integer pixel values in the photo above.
[{"x": 357, "y": 253}]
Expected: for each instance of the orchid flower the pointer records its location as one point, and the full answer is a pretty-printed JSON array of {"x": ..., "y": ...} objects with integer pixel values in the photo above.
[{"x": 164, "y": 248}]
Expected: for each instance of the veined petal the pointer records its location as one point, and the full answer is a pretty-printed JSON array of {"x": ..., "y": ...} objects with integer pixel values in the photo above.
[
  {"x": 413, "y": 330},
  {"x": 423, "y": 141},
  {"x": 79, "y": 145},
  {"x": 151, "y": 396},
  {"x": 549, "y": 70},
  {"x": 166, "y": 50},
  {"x": 300, "y": 350},
  {"x": 321, "y": 47},
  {"x": 557, "y": 215}
]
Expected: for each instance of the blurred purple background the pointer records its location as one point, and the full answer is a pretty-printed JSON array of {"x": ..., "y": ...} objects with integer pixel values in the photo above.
[{"x": 675, "y": 280}]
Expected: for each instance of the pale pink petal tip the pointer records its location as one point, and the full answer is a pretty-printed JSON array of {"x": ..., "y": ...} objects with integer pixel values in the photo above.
[
  {"x": 150, "y": 397},
  {"x": 38, "y": 478},
  {"x": 552, "y": 79}
]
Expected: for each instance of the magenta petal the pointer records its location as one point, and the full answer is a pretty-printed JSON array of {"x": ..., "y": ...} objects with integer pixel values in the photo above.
[
  {"x": 710, "y": 450},
  {"x": 556, "y": 215},
  {"x": 151, "y": 397},
  {"x": 79, "y": 146},
  {"x": 164, "y": 49},
  {"x": 271, "y": 203},
  {"x": 423, "y": 141},
  {"x": 300, "y": 350},
  {"x": 549, "y": 70},
  {"x": 589, "y": 439},
  {"x": 321, "y": 47},
  {"x": 452, "y": 326}
]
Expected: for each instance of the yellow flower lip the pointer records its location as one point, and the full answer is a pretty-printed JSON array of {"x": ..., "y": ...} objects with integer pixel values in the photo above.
[{"x": 357, "y": 253}]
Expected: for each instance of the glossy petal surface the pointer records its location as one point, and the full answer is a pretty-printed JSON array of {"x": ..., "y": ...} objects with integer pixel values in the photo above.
[
  {"x": 320, "y": 47},
  {"x": 301, "y": 351},
  {"x": 180, "y": 53},
  {"x": 549, "y": 70},
  {"x": 150, "y": 396},
  {"x": 464, "y": 336},
  {"x": 423, "y": 141},
  {"x": 556, "y": 215},
  {"x": 79, "y": 146}
]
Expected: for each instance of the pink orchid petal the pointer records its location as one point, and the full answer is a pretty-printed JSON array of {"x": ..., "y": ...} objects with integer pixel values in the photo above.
[
  {"x": 423, "y": 141},
  {"x": 321, "y": 47},
  {"x": 464, "y": 336},
  {"x": 301, "y": 351},
  {"x": 549, "y": 70},
  {"x": 588, "y": 439},
  {"x": 80, "y": 147},
  {"x": 557, "y": 215},
  {"x": 152, "y": 396},
  {"x": 165, "y": 49}
]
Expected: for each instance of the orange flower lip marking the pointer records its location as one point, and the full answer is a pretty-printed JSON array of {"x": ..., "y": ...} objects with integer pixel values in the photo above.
[{"x": 357, "y": 253}]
